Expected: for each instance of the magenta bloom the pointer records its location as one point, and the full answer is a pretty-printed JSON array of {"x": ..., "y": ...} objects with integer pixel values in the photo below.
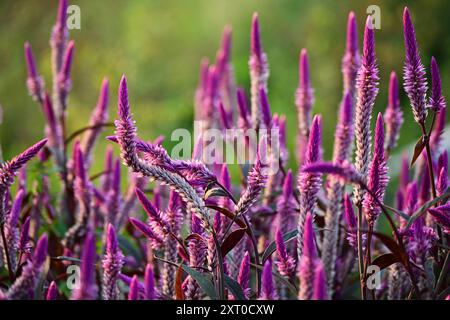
[
  {"x": 268, "y": 291},
  {"x": 244, "y": 274},
  {"x": 52, "y": 292},
  {"x": 437, "y": 100},
  {"x": 351, "y": 60},
  {"x": 88, "y": 287},
  {"x": 112, "y": 264},
  {"x": 393, "y": 116},
  {"x": 415, "y": 82},
  {"x": 308, "y": 261},
  {"x": 285, "y": 263}
]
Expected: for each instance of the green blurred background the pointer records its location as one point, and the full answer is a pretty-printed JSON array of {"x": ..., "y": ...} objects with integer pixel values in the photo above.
[{"x": 158, "y": 44}]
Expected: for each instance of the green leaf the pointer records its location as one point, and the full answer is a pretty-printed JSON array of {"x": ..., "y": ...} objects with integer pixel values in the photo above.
[
  {"x": 203, "y": 280},
  {"x": 272, "y": 246},
  {"x": 65, "y": 258},
  {"x": 235, "y": 288},
  {"x": 420, "y": 144},
  {"x": 385, "y": 260}
]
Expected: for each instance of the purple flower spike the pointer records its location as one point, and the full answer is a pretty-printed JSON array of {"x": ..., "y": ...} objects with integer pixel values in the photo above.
[
  {"x": 149, "y": 283},
  {"x": 393, "y": 116},
  {"x": 40, "y": 252},
  {"x": 24, "y": 236},
  {"x": 308, "y": 261},
  {"x": 158, "y": 222},
  {"x": 67, "y": 62},
  {"x": 146, "y": 231},
  {"x": 255, "y": 37},
  {"x": 9, "y": 170},
  {"x": 351, "y": 60},
  {"x": 367, "y": 84},
  {"x": 378, "y": 176},
  {"x": 345, "y": 171},
  {"x": 259, "y": 71},
  {"x": 442, "y": 182},
  {"x": 309, "y": 183},
  {"x": 224, "y": 116},
  {"x": 268, "y": 291},
  {"x": 15, "y": 209},
  {"x": 415, "y": 82},
  {"x": 436, "y": 135},
  {"x": 437, "y": 100},
  {"x": 350, "y": 219},
  {"x": 112, "y": 264},
  {"x": 244, "y": 274},
  {"x": 88, "y": 287},
  {"x": 320, "y": 288},
  {"x": 404, "y": 173},
  {"x": 133, "y": 294},
  {"x": 59, "y": 37},
  {"x": 52, "y": 292},
  {"x": 285, "y": 263},
  {"x": 304, "y": 100},
  {"x": 265, "y": 108},
  {"x": 244, "y": 121},
  {"x": 35, "y": 83}
]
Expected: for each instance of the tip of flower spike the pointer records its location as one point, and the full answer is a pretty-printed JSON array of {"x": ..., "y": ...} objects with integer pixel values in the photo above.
[
  {"x": 68, "y": 58},
  {"x": 437, "y": 101},
  {"x": 265, "y": 107},
  {"x": 16, "y": 207},
  {"x": 104, "y": 94},
  {"x": 412, "y": 54},
  {"x": 146, "y": 204},
  {"x": 304, "y": 69},
  {"x": 226, "y": 42},
  {"x": 393, "y": 101},
  {"x": 320, "y": 288},
  {"x": 52, "y": 292},
  {"x": 62, "y": 13},
  {"x": 124, "y": 107},
  {"x": 174, "y": 201},
  {"x": 112, "y": 139},
  {"x": 111, "y": 240},
  {"x": 369, "y": 43},
  {"x": 29, "y": 59},
  {"x": 133, "y": 294},
  {"x": 352, "y": 33},
  {"x": 225, "y": 178},
  {"x": 314, "y": 145},
  {"x": 267, "y": 280},
  {"x": 224, "y": 116},
  {"x": 288, "y": 185},
  {"x": 255, "y": 36},
  {"x": 144, "y": 229},
  {"x": 40, "y": 253},
  {"x": 262, "y": 150}
]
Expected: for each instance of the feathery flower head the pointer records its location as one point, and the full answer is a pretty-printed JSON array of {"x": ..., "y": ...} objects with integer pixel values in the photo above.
[
  {"x": 437, "y": 100},
  {"x": 309, "y": 245},
  {"x": 156, "y": 239},
  {"x": 404, "y": 173},
  {"x": 344, "y": 171},
  {"x": 268, "y": 291},
  {"x": 415, "y": 82},
  {"x": 255, "y": 37},
  {"x": 308, "y": 260},
  {"x": 223, "y": 116},
  {"x": 14, "y": 214},
  {"x": 436, "y": 134},
  {"x": 393, "y": 116},
  {"x": 158, "y": 222},
  {"x": 412, "y": 194},
  {"x": 314, "y": 152},
  {"x": 285, "y": 263},
  {"x": 112, "y": 264},
  {"x": 367, "y": 90},
  {"x": 40, "y": 252}
]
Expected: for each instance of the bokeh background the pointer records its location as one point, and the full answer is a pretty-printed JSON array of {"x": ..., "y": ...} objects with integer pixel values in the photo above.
[{"x": 158, "y": 44}]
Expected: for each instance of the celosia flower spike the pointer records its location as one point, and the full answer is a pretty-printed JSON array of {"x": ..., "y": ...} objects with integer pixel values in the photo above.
[
  {"x": 442, "y": 216},
  {"x": 244, "y": 274},
  {"x": 367, "y": 84},
  {"x": 112, "y": 264},
  {"x": 266, "y": 115},
  {"x": 351, "y": 60},
  {"x": 308, "y": 261},
  {"x": 309, "y": 183},
  {"x": 285, "y": 263},
  {"x": 87, "y": 289},
  {"x": 350, "y": 219},
  {"x": 437, "y": 100},
  {"x": 268, "y": 291},
  {"x": 415, "y": 82},
  {"x": 320, "y": 287},
  {"x": 35, "y": 83},
  {"x": 133, "y": 294},
  {"x": 393, "y": 116}
]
